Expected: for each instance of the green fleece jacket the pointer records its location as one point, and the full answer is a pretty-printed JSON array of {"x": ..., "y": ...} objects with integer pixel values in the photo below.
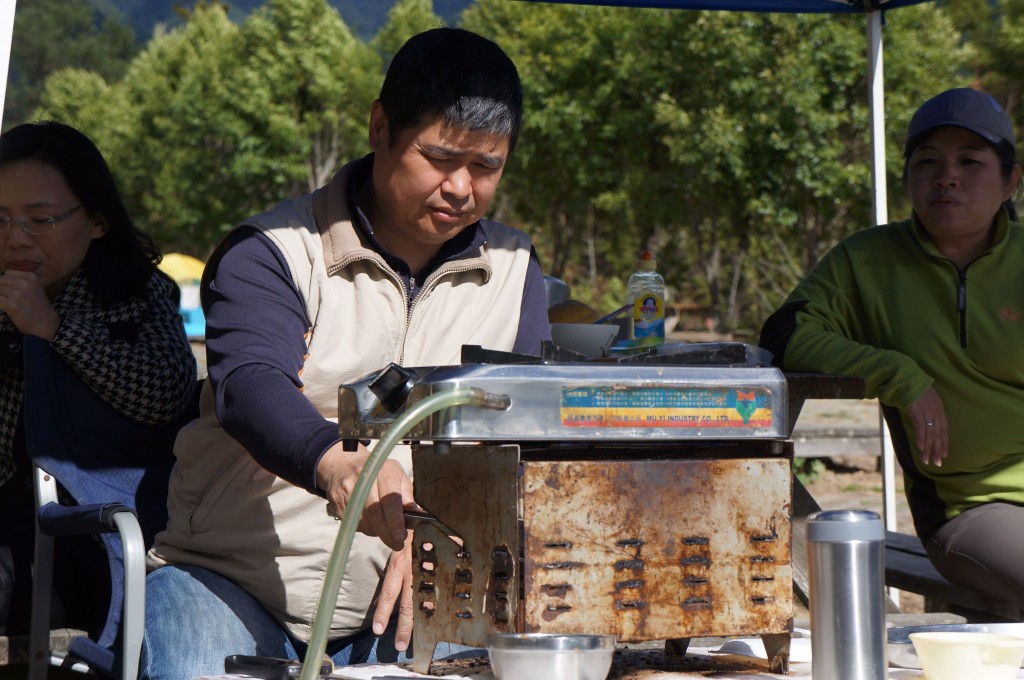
[{"x": 886, "y": 305}]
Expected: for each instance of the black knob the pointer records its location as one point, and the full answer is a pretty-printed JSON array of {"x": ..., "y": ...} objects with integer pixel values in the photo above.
[{"x": 392, "y": 386}]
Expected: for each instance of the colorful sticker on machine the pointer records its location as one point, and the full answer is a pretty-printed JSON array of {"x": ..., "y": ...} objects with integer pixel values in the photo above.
[{"x": 664, "y": 407}]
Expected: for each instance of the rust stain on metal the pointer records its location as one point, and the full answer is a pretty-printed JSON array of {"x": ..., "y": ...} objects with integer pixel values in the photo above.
[
  {"x": 713, "y": 554},
  {"x": 465, "y": 592},
  {"x": 764, "y": 538},
  {"x": 555, "y": 589},
  {"x": 502, "y": 563},
  {"x": 552, "y": 612},
  {"x": 665, "y": 547}
]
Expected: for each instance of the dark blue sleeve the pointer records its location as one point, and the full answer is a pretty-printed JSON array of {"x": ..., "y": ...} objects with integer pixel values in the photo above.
[
  {"x": 533, "y": 314},
  {"x": 255, "y": 328}
]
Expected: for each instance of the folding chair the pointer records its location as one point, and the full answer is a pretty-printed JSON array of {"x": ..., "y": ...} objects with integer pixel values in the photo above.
[{"x": 116, "y": 470}]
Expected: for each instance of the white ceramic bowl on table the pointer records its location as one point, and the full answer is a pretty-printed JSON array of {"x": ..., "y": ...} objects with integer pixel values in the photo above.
[
  {"x": 592, "y": 340},
  {"x": 968, "y": 656},
  {"x": 539, "y": 656}
]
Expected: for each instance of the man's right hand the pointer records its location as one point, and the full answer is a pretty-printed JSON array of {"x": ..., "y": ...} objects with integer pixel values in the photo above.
[
  {"x": 336, "y": 475},
  {"x": 396, "y": 589}
]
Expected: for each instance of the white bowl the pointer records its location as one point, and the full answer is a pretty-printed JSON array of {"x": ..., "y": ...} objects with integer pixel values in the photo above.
[
  {"x": 540, "y": 656},
  {"x": 592, "y": 340},
  {"x": 968, "y": 656}
]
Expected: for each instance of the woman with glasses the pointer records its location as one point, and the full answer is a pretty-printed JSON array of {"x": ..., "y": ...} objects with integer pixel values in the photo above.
[{"x": 77, "y": 274}]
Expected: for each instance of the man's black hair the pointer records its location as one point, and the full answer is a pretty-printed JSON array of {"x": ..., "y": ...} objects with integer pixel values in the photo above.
[{"x": 457, "y": 76}]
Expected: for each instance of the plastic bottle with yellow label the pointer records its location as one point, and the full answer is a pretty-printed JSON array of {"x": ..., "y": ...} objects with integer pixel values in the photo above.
[{"x": 647, "y": 295}]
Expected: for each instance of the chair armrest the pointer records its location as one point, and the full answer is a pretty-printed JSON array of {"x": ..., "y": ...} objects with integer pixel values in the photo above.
[
  {"x": 59, "y": 520},
  {"x": 70, "y": 520},
  {"x": 133, "y": 618}
]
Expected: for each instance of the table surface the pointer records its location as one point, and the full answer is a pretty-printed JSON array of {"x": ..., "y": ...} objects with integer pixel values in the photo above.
[
  {"x": 629, "y": 664},
  {"x": 647, "y": 664}
]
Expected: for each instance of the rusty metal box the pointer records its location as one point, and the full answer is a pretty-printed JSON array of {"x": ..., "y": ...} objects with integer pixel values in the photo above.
[{"x": 668, "y": 542}]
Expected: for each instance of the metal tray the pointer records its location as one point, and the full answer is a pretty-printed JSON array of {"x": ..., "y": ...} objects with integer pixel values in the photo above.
[
  {"x": 608, "y": 402},
  {"x": 901, "y": 650}
]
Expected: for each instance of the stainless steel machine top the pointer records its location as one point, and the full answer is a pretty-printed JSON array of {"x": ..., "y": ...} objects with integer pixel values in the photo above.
[{"x": 577, "y": 401}]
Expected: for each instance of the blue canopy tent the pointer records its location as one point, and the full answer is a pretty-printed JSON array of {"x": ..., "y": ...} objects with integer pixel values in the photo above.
[{"x": 873, "y": 11}]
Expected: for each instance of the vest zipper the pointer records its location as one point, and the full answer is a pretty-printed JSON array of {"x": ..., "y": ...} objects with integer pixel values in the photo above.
[
  {"x": 427, "y": 285},
  {"x": 410, "y": 302}
]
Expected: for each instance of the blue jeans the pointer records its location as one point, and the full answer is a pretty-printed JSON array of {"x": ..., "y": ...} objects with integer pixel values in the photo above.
[{"x": 196, "y": 617}]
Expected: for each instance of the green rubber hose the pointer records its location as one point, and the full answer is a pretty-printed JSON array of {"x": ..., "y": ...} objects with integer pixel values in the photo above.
[{"x": 462, "y": 396}]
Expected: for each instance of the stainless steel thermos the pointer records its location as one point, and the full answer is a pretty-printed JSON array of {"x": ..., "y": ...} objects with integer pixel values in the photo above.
[{"x": 845, "y": 558}]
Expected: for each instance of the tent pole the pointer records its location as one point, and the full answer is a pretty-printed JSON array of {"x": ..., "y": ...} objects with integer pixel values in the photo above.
[
  {"x": 6, "y": 38},
  {"x": 876, "y": 99}
]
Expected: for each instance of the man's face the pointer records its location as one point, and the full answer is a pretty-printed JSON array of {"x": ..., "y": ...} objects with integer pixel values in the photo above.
[{"x": 431, "y": 183}]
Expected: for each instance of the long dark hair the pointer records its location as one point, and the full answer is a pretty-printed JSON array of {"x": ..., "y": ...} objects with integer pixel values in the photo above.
[{"x": 119, "y": 264}]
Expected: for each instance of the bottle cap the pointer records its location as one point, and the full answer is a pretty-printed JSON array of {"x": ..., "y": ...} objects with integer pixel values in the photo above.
[{"x": 646, "y": 262}]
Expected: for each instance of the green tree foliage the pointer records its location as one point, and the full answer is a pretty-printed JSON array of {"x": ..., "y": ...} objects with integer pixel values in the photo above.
[
  {"x": 214, "y": 122},
  {"x": 1001, "y": 68},
  {"x": 54, "y": 34},
  {"x": 322, "y": 80},
  {"x": 973, "y": 18},
  {"x": 734, "y": 144},
  {"x": 405, "y": 19}
]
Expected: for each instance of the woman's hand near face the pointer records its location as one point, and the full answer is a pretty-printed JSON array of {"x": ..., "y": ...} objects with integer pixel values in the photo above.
[
  {"x": 928, "y": 417},
  {"x": 24, "y": 300}
]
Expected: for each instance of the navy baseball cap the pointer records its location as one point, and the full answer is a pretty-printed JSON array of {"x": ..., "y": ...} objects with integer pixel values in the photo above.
[{"x": 963, "y": 107}]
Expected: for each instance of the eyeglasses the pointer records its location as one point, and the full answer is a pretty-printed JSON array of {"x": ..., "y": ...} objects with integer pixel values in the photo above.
[{"x": 37, "y": 225}]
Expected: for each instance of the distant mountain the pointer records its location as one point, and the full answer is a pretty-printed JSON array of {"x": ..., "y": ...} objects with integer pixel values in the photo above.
[{"x": 364, "y": 17}]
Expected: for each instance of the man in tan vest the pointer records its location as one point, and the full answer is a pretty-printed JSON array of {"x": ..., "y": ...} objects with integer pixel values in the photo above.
[{"x": 392, "y": 261}]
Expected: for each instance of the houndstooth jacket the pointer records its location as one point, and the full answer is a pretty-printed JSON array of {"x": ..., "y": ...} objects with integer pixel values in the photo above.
[{"x": 133, "y": 354}]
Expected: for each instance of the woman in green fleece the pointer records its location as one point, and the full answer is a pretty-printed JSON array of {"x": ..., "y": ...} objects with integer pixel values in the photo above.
[{"x": 930, "y": 311}]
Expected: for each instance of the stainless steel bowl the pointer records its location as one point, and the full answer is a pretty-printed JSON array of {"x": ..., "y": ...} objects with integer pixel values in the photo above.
[{"x": 525, "y": 656}]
